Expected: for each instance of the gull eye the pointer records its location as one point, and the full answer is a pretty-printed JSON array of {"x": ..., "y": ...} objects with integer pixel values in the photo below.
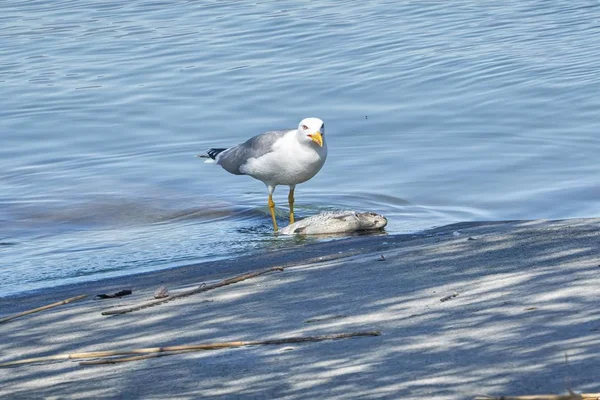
[{"x": 305, "y": 127}]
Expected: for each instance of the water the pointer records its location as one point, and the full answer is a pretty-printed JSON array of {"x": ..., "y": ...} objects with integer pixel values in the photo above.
[{"x": 436, "y": 112}]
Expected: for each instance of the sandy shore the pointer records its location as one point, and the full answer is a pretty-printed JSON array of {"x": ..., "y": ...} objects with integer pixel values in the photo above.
[{"x": 520, "y": 296}]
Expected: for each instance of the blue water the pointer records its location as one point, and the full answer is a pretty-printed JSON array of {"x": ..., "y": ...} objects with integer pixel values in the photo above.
[{"x": 436, "y": 112}]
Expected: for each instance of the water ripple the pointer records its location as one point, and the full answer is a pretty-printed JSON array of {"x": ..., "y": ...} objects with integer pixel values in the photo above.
[{"x": 436, "y": 114}]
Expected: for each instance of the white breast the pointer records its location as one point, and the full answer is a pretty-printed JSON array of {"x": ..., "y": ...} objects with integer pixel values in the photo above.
[{"x": 290, "y": 162}]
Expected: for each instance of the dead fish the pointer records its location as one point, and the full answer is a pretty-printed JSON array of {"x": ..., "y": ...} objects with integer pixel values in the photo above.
[{"x": 336, "y": 222}]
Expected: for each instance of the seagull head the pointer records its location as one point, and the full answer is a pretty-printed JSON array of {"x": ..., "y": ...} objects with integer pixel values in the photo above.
[{"x": 312, "y": 130}]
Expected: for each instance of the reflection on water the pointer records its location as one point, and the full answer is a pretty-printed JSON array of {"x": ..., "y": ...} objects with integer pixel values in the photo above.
[{"x": 470, "y": 112}]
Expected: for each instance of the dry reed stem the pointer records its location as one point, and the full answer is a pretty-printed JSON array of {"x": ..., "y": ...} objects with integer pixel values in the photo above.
[
  {"x": 188, "y": 347},
  {"x": 200, "y": 289},
  {"x": 570, "y": 396},
  {"x": 46, "y": 307},
  {"x": 117, "y": 360}
]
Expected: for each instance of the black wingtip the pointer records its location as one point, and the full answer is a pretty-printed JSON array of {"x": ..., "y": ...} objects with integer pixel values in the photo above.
[{"x": 213, "y": 153}]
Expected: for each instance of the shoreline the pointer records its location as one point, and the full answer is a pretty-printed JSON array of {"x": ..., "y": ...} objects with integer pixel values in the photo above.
[
  {"x": 310, "y": 252},
  {"x": 493, "y": 310}
]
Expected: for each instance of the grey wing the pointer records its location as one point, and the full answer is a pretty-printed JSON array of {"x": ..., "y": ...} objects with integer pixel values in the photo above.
[{"x": 235, "y": 157}]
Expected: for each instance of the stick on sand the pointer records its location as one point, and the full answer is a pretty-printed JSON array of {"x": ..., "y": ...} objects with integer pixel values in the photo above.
[
  {"x": 188, "y": 347},
  {"x": 571, "y": 396},
  {"x": 46, "y": 307},
  {"x": 200, "y": 289},
  {"x": 117, "y": 360}
]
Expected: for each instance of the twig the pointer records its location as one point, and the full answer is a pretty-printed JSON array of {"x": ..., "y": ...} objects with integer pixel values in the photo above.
[
  {"x": 570, "y": 396},
  {"x": 321, "y": 319},
  {"x": 167, "y": 351},
  {"x": 199, "y": 289},
  {"x": 117, "y": 360},
  {"x": 46, "y": 307},
  {"x": 450, "y": 296},
  {"x": 189, "y": 347}
]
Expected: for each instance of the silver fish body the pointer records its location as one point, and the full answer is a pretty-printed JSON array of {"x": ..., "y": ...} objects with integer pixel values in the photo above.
[{"x": 331, "y": 222}]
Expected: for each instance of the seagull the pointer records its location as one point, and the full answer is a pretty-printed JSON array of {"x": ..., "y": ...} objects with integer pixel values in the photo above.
[{"x": 286, "y": 157}]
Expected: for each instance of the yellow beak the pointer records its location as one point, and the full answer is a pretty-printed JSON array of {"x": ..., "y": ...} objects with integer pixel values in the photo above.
[{"x": 317, "y": 138}]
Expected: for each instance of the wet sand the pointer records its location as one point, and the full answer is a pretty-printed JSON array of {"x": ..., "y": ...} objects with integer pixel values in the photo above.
[{"x": 521, "y": 315}]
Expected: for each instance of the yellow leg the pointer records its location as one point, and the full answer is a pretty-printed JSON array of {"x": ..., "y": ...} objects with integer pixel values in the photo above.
[
  {"x": 291, "y": 202},
  {"x": 272, "y": 209}
]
